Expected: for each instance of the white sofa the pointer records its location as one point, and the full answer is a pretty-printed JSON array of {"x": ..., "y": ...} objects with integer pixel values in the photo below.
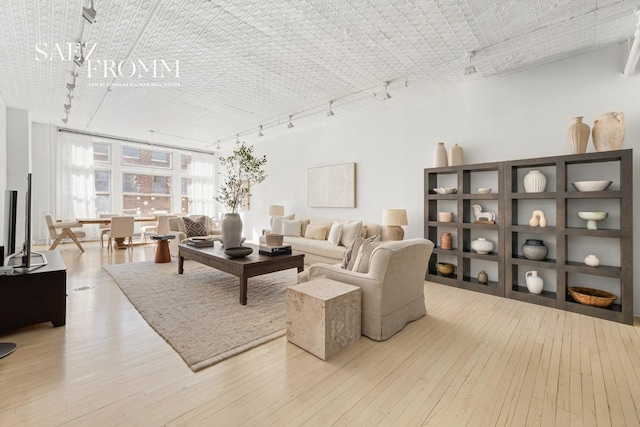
[
  {"x": 177, "y": 228},
  {"x": 321, "y": 250}
]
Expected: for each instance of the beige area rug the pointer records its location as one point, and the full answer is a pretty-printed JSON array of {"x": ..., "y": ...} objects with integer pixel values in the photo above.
[{"x": 198, "y": 312}]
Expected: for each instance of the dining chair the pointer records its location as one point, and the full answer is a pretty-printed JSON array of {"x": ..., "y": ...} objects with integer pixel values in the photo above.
[
  {"x": 121, "y": 228},
  {"x": 105, "y": 228},
  {"x": 62, "y": 230},
  {"x": 161, "y": 226}
]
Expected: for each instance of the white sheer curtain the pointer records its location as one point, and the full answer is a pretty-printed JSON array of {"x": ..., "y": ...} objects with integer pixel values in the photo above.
[
  {"x": 75, "y": 189},
  {"x": 201, "y": 193}
]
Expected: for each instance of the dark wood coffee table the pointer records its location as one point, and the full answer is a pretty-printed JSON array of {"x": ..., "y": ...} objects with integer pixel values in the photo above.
[{"x": 249, "y": 266}]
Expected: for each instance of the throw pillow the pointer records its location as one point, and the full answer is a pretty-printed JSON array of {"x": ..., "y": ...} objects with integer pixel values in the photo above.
[
  {"x": 276, "y": 223},
  {"x": 316, "y": 232},
  {"x": 364, "y": 255},
  {"x": 349, "y": 252},
  {"x": 363, "y": 231},
  {"x": 350, "y": 229},
  {"x": 291, "y": 228},
  {"x": 355, "y": 248},
  {"x": 195, "y": 227},
  {"x": 335, "y": 233}
]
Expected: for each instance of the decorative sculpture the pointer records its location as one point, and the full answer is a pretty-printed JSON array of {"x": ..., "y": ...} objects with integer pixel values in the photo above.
[
  {"x": 538, "y": 219},
  {"x": 486, "y": 217}
]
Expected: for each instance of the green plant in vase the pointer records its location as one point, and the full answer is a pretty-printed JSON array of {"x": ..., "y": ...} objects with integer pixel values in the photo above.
[{"x": 243, "y": 169}]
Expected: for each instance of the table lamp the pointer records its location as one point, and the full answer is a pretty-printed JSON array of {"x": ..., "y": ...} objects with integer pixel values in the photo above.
[
  {"x": 393, "y": 220},
  {"x": 275, "y": 210}
]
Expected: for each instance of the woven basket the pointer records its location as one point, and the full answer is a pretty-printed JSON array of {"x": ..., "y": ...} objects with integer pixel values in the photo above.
[{"x": 592, "y": 297}]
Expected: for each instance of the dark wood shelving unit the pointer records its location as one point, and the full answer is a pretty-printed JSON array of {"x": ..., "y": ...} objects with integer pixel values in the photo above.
[
  {"x": 465, "y": 276},
  {"x": 513, "y": 202}
]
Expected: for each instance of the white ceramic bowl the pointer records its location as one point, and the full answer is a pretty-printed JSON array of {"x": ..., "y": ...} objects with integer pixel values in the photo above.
[
  {"x": 593, "y": 216},
  {"x": 483, "y": 190},
  {"x": 591, "y": 185},
  {"x": 445, "y": 190}
]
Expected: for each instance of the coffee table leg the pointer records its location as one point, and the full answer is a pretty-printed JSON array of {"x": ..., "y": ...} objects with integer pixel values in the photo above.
[
  {"x": 243, "y": 290},
  {"x": 180, "y": 265}
]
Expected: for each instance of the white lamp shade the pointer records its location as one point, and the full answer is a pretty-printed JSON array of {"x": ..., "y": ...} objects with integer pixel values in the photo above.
[
  {"x": 394, "y": 217},
  {"x": 276, "y": 210}
]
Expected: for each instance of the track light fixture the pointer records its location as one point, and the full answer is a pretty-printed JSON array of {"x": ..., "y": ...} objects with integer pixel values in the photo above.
[
  {"x": 79, "y": 60},
  {"x": 89, "y": 14},
  {"x": 386, "y": 94},
  {"x": 66, "y": 119},
  {"x": 260, "y": 132},
  {"x": 237, "y": 139},
  {"x": 71, "y": 86},
  {"x": 290, "y": 125},
  {"x": 471, "y": 69},
  {"x": 218, "y": 145},
  {"x": 330, "y": 111},
  {"x": 67, "y": 107}
]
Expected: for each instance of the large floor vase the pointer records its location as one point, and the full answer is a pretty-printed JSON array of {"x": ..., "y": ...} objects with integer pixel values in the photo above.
[
  {"x": 608, "y": 131},
  {"x": 231, "y": 230}
]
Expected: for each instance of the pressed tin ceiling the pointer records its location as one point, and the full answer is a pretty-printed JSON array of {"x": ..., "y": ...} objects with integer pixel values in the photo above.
[{"x": 226, "y": 67}]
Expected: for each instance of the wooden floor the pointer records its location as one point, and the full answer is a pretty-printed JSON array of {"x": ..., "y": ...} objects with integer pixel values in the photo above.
[{"x": 474, "y": 360}]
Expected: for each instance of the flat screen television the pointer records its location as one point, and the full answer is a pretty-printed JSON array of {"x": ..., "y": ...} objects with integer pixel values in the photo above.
[
  {"x": 26, "y": 258},
  {"x": 10, "y": 218}
]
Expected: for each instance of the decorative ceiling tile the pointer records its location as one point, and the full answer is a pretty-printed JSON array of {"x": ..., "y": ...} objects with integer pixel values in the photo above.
[{"x": 246, "y": 63}]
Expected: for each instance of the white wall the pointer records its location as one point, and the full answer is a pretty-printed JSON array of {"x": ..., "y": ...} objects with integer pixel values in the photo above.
[{"x": 521, "y": 115}]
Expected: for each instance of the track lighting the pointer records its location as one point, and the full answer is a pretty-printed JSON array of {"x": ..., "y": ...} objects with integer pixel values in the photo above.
[
  {"x": 89, "y": 14},
  {"x": 330, "y": 111},
  {"x": 79, "y": 60},
  {"x": 471, "y": 69},
  {"x": 260, "y": 132},
  {"x": 218, "y": 145},
  {"x": 66, "y": 119},
  {"x": 237, "y": 139},
  {"x": 72, "y": 86},
  {"x": 67, "y": 107},
  {"x": 290, "y": 125},
  {"x": 386, "y": 94}
]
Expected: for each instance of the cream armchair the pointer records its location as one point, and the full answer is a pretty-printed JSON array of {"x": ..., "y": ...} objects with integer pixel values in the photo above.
[
  {"x": 392, "y": 289},
  {"x": 177, "y": 228}
]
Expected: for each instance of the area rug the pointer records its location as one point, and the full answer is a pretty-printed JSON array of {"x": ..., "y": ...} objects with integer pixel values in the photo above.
[{"x": 198, "y": 312}]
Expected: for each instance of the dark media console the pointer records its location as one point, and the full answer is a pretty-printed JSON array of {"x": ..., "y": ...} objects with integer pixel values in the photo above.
[{"x": 34, "y": 295}]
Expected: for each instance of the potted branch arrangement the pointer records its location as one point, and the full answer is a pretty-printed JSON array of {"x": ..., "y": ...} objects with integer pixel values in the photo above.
[{"x": 243, "y": 169}]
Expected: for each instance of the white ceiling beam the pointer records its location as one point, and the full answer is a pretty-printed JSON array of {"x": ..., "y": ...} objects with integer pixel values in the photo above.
[{"x": 634, "y": 52}]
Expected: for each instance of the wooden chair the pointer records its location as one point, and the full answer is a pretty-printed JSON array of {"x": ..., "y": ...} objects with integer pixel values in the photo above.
[
  {"x": 62, "y": 230},
  {"x": 121, "y": 228},
  {"x": 105, "y": 228}
]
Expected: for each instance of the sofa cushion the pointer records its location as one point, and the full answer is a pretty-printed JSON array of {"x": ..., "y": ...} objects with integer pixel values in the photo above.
[
  {"x": 291, "y": 227},
  {"x": 351, "y": 254},
  {"x": 350, "y": 230},
  {"x": 317, "y": 232},
  {"x": 335, "y": 233},
  {"x": 177, "y": 224},
  {"x": 361, "y": 264},
  {"x": 195, "y": 227},
  {"x": 321, "y": 248},
  {"x": 276, "y": 222}
]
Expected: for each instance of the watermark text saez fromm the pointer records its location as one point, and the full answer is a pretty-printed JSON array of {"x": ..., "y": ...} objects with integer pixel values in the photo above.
[{"x": 107, "y": 68}]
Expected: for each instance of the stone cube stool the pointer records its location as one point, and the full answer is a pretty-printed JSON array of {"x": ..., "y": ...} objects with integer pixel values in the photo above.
[{"x": 323, "y": 316}]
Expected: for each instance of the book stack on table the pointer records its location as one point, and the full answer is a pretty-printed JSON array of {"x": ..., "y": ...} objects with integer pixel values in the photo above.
[
  {"x": 200, "y": 242},
  {"x": 275, "y": 250}
]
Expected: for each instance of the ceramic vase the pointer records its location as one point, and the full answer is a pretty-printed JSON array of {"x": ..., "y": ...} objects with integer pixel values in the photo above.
[
  {"x": 440, "y": 156},
  {"x": 535, "y": 182},
  {"x": 483, "y": 278},
  {"x": 608, "y": 131},
  {"x": 456, "y": 155},
  {"x": 534, "y": 282},
  {"x": 231, "y": 230},
  {"x": 578, "y": 135},
  {"x": 592, "y": 261},
  {"x": 445, "y": 241},
  {"x": 534, "y": 249},
  {"x": 482, "y": 245}
]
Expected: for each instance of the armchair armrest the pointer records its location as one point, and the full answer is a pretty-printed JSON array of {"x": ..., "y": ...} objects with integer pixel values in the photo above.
[{"x": 334, "y": 272}]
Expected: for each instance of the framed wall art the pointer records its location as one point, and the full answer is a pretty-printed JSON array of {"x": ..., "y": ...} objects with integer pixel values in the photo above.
[{"x": 332, "y": 186}]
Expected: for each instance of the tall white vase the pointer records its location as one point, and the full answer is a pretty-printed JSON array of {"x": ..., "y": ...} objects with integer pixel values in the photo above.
[
  {"x": 440, "y": 156},
  {"x": 231, "y": 230}
]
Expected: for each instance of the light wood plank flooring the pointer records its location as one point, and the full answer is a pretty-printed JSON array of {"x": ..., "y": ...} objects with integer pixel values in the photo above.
[{"x": 474, "y": 360}]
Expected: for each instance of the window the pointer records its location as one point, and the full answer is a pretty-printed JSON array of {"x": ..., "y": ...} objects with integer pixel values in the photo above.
[
  {"x": 185, "y": 162},
  {"x": 146, "y": 193},
  {"x": 103, "y": 191},
  {"x": 144, "y": 157},
  {"x": 101, "y": 152}
]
